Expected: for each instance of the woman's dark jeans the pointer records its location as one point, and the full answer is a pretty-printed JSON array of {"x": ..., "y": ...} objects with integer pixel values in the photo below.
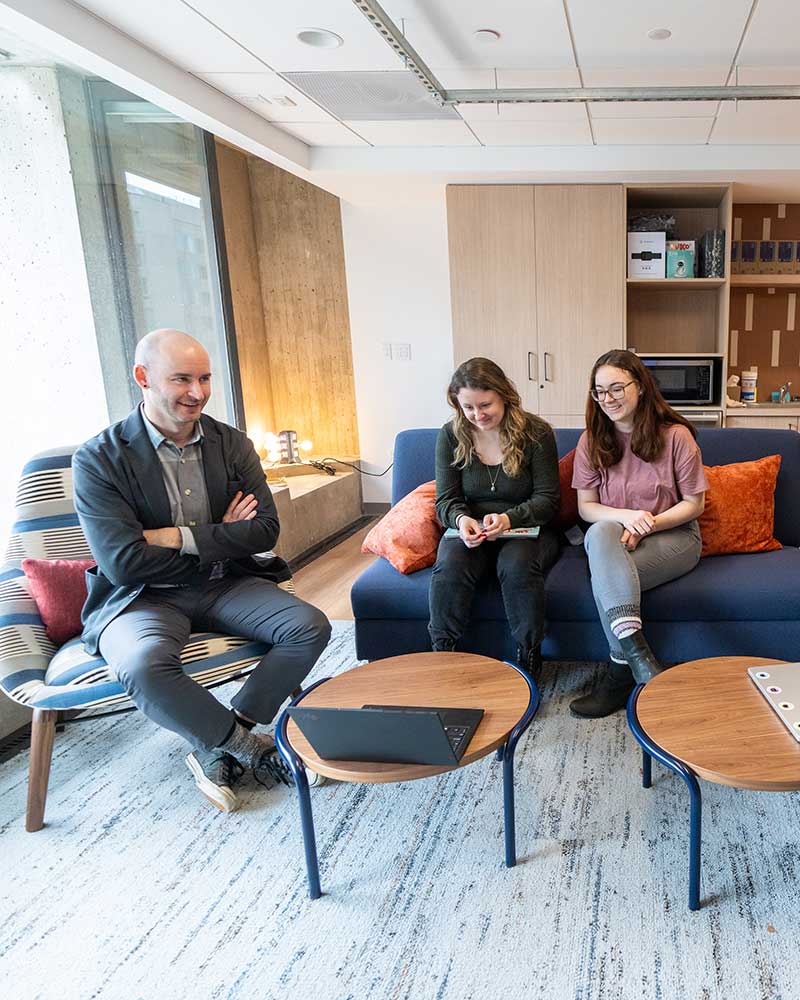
[{"x": 521, "y": 565}]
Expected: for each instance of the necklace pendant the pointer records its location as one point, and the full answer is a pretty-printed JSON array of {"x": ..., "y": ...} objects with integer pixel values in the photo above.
[{"x": 493, "y": 487}]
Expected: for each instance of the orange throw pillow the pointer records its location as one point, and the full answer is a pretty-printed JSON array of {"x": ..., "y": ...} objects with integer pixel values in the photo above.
[
  {"x": 567, "y": 513},
  {"x": 740, "y": 507},
  {"x": 408, "y": 536}
]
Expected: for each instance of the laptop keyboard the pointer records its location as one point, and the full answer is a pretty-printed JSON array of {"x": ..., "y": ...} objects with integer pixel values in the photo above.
[{"x": 455, "y": 735}]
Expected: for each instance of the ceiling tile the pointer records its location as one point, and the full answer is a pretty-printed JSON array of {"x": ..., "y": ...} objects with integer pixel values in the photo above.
[
  {"x": 531, "y": 34},
  {"x": 453, "y": 133},
  {"x": 703, "y": 34},
  {"x": 258, "y": 91},
  {"x": 651, "y": 131},
  {"x": 763, "y": 76},
  {"x": 323, "y": 133},
  {"x": 773, "y": 38},
  {"x": 767, "y": 122},
  {"x": 176, "y": 32},
  {"x": 465, "y": 79},
  {"x": 656, "y": 76},
  {"x": 653, "y": 109},
  {"x": 506, "y": 133},
  {"x": 269, "y": 29}
]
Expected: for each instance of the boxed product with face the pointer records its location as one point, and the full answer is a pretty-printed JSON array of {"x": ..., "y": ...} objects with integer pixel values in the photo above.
[
  {"x": 767, "y": 260},
  {"x": 747, "y": 256},
  {"x": 785, "y": 256},
  {"x": 680, "y": 259},
  {"x": 646, "y": 255}
]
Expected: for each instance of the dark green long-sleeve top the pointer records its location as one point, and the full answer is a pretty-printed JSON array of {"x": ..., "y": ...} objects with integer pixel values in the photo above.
[{"x": 529, "y": 499}]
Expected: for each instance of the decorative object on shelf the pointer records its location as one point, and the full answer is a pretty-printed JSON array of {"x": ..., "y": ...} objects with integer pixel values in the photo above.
[
  {"x": 680, "y": 259},
  {"x": 653, "y": 223},
  {"x": 284, "y": 448},
  {"x": 747, "y": 256},
  {"x": 646, "y": 254},
  {"x": 767, "y": 259},
  {"x": 735, "y": 264},
  {"x": 712, "y": 254},
  {"x": 786, "y": 259}
]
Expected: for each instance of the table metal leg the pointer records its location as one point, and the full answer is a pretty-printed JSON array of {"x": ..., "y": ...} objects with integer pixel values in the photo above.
[
  {"x": 652, "y": 750},
  {"x": 506, "y": 753},
  {"x": 298, "y": 770},
  {"x": 647, "y": 769}
]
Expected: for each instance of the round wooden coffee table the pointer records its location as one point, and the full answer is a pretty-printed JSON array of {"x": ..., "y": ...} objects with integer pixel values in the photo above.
[
  {"x": 507, "y": 695},
  {"x": 707, "y": 719}
]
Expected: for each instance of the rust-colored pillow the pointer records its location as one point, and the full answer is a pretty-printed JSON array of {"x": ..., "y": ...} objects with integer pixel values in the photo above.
[
  {"x": 567, "y": 514},
  {"x": 408, "y": 536},
  {"x": 59, "y": 588},
  {"x": 740, "y": 507}
]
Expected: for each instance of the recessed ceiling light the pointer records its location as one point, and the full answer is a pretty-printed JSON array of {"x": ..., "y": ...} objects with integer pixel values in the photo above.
[
  {"x": 487, "y": 35},
  {"x": 659, "y": 34},
  {"x": 320, "y": 38}
]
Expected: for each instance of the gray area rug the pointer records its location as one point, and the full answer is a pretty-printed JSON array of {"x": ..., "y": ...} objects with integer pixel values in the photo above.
[{"x": 138, "y": 889}]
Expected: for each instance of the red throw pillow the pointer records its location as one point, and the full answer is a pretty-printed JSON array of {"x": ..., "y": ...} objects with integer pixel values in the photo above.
[
  {"x": 740, "y": 507},
  {"x": 408, "y": 536},
  {"x": 567, "y": 514},
  {"x": 59, "y": 588}
]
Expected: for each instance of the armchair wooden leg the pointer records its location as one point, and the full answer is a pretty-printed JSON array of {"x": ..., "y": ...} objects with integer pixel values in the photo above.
[{"x": 43, "y": 732}]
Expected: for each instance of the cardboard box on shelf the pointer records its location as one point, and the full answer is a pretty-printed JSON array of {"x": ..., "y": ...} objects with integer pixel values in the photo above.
[
  {"x": 680, "y": 259},
  {"x": 646, "y": 255}
]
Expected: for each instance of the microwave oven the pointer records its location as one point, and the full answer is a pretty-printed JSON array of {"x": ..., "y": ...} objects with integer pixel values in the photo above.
[{"x": 687, "y": 381}]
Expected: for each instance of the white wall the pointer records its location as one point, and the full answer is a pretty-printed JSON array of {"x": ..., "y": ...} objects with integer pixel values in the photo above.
[
  {"x": 52, "y": 383},
  {"x": 398, "y": 283}
]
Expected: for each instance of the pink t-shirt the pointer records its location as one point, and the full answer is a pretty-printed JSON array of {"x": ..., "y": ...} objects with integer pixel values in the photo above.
[{"x": 637, "y": 485}]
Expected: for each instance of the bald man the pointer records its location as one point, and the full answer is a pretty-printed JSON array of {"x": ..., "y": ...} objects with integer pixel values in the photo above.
[{"x": 176, "y": 510}]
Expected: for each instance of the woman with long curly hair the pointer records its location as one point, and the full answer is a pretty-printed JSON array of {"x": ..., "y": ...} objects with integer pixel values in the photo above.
[
  {"x": 640, "y": 482},
  {"x": 496, "y": 469}
]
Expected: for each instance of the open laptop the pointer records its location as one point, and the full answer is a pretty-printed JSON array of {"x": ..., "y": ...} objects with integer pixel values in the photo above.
[
  {"x": 780, "y": 685},
  {"x": 395, "y": 734}
]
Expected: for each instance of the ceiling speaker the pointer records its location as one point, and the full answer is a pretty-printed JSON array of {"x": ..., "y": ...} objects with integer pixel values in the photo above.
[{"x": 371, "y": 97}]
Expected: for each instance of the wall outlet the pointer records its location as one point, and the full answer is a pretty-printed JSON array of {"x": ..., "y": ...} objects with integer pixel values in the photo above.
[{"x": 396, "y": 352}]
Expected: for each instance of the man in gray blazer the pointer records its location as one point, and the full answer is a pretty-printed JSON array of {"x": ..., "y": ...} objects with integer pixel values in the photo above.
[{"x": 176, "y": 510}]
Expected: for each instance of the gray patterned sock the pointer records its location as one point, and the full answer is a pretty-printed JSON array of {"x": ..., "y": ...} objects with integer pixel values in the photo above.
[{"x": 247, "y": 747}]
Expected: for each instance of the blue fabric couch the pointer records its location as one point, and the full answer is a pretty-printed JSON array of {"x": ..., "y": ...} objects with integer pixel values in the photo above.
[{"x": 728, "y": 605}]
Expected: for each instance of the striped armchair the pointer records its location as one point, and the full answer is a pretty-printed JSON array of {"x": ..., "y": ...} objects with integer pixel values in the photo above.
[{"x": 56, "y": 682}]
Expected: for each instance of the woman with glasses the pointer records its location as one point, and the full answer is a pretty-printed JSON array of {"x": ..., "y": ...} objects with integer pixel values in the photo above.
[
  {"x": 496, "y": 469},
  {"x": 640, "y": 482}
]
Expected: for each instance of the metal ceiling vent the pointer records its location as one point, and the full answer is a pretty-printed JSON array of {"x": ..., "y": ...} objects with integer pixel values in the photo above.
[{"x": 371, "y": 97}]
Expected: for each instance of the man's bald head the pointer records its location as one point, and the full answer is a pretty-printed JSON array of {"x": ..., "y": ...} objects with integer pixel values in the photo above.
[
  {"x": 174, "y": 373},
  {"x": 165, "y": 343}
]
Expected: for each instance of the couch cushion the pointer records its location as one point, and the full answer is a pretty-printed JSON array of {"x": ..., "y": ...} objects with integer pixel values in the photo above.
[
  {"x": 740, "y": 507},
  {"x": 408, "y": 536},
  {"x": 59, "y": 588}
]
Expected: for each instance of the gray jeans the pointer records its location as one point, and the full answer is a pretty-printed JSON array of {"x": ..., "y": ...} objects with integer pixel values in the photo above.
[
  {"x": 619, "y": 576},
  {"x": 144, "y": 643}
]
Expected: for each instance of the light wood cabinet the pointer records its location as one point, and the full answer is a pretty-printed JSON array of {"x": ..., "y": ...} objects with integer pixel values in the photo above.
[
  {"x": 491, "y": 236},
  {"x": 580, "y": 288},
  {"x": 537, "y": 279},
  {"x": 781, "y": 422}
]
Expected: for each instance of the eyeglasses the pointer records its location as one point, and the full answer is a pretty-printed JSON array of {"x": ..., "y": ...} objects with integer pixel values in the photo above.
[{"x": 614, "y": 391}]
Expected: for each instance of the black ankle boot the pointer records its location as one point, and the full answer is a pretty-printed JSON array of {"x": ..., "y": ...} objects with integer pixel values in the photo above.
[
  {"x": 530, "y": 660},
  {"x": 443, "y": 646},
  {"x": 608, "y": 696},
  {"x": 641, "y": 659}
]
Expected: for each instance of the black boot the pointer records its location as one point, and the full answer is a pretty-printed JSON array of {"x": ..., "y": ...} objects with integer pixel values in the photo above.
[
  {"x": 610, "y": 694},
  {"x": 530, "y": 660},
  {"x": 443, "y": 646},
  {"x": 640, "y": 657}
]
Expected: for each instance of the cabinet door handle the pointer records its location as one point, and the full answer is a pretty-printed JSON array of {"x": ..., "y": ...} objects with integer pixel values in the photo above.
[
  {"x": 547, "y": 378},
  {"x": 533, "y": 367}
]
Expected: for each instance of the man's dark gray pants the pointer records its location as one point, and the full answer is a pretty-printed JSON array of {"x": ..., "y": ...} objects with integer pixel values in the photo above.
[{"x": 143, "y": 646}]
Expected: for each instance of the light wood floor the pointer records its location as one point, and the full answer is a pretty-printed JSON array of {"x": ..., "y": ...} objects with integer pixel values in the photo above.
[{"x": 326, "y": 581}]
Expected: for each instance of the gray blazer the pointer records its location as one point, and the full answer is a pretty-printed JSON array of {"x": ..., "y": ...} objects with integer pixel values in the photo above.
[{"x": 119, "y": 491}]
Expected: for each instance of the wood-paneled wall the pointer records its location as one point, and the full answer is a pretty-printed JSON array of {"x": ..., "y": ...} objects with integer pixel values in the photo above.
[{"x": 297, "y": 351}]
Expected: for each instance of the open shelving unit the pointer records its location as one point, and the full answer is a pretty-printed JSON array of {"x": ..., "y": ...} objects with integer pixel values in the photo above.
[
  {"x": 680, "y": 315},
  {"x": 765, "y": 281}
]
